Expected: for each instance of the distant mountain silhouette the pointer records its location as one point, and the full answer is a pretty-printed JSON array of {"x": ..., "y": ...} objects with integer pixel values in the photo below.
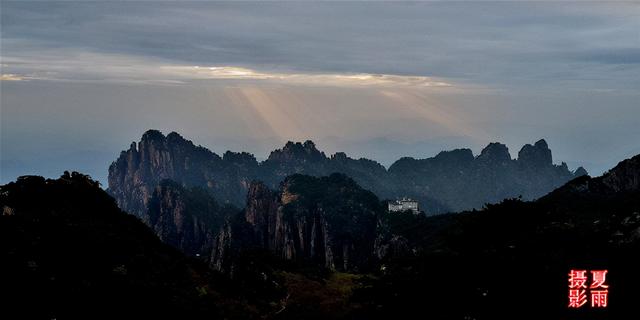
[{"x": 451, "y": 181}]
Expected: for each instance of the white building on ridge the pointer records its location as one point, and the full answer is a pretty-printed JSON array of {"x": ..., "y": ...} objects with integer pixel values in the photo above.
[{"x": 404, "y": 205}]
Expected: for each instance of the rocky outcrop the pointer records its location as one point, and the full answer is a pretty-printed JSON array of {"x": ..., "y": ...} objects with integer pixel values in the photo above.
[
  {"x": 580, "y": 172},
  {"x": 495, "y": 154},
  {"x": 222, "y": 254},
  {"x": 535, "y": 156},
  {"x": 134, "y": 176},
  {"x": 297, "y": 152},
  {"x": 328, "y": 221},
  {"x": 187, "y": 219},
  {"x": 624, "y": 177},
  {"x": 294, "y": 157}
]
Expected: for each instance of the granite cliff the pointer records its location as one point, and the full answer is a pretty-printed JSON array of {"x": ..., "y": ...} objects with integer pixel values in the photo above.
[
  {"x": 328, "y": 221},
  {"x": 186, "y": 218},
  {"x": 134, "y": 176}
]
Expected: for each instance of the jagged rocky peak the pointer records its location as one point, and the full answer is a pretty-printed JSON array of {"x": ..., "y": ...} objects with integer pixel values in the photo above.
[
  {"x": 537, "y": 155},
  {"x": 133, "y": 147},
  {"x": 153, "y": 135},
  {"x": 239, "y": 157},
  {"x": 580, "y": 172},
  {"x": 329, "y": 221},
  {"x": 625, "y": 176},
  {"x": 173, "y": 141},
  {"x": 340, "y": 156},
  {"x": 157, "y": 136},
  {"x": 174, "y": 136},
  {"x": 137, "y": 171},
  {"x": 495, "y": 152},
  {"x": 309, "y": 145},
  {"x": 297, "y": 151}
]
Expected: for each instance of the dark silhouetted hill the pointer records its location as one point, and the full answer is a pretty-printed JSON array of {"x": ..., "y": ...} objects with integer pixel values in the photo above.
[{"x": 68, "y": 252}]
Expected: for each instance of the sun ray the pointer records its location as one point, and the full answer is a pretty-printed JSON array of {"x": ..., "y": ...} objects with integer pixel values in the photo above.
[
  {"x": 430, "y": 109},
  {"x": 272, "y": 112}
]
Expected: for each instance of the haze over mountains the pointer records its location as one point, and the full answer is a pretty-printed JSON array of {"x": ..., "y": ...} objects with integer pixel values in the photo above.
[{"x": 451, "y": 181}]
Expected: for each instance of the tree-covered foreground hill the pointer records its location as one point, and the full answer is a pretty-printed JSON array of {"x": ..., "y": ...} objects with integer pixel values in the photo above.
[{"x": 68, "y": 252}]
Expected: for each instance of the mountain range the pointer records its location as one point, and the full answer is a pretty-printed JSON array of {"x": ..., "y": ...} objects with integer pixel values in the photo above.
[
  {"x": 451, "y": 181},
  {"x": 189, "y": 195}
]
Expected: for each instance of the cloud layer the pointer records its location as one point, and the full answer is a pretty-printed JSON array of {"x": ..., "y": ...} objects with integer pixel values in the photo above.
[
  {"x": 80, "y": 80},
  {"x": 586, "y": 45}
]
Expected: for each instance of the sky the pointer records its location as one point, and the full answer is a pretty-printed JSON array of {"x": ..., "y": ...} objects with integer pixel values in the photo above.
[{"x": 81, "y": 80}]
